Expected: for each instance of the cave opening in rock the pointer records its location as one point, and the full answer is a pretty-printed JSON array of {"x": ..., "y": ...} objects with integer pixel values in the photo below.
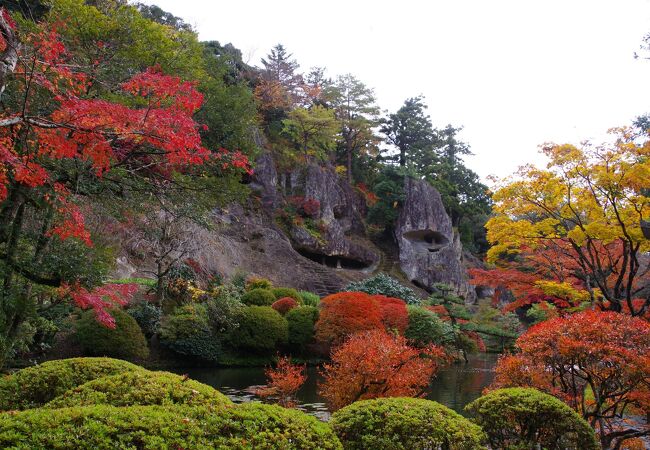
[
  {"x": 334, "y": 262},
  {"x": 422, "y": 286},
  {"x": 429, "y": 240}
]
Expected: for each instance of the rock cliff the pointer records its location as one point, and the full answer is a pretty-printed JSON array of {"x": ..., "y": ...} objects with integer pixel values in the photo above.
[
  {"x": 429, "y": 250},
  {"x": 328, "y": 247}
]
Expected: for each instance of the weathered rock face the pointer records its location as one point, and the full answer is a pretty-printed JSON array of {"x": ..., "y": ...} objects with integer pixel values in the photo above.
[
  {"x": 339, "y": 243},
  {"x": 429, "y": 250}
]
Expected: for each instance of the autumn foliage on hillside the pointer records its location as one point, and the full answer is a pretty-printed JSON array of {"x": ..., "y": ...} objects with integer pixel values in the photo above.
[
  {"x": 597, "y": 362},
  {"x": 59, "y": 140},
  {"x": 376, "y": 364}
]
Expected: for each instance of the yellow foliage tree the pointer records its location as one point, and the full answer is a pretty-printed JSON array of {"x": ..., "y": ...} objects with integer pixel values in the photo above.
[{"x": 577, "y": 224}]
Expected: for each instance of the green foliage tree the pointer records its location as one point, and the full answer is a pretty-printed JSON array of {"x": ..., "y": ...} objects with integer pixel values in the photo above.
[
  {"x": 425, "y": 328},
  {"x": 312, "y": 130},
  {"x": 389, "y": 189},
  {"x": 357, "y": 113},
  {"x": 411, "y": 132}
]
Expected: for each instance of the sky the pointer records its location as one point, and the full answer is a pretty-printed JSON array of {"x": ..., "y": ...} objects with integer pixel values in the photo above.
[{"x": 515, "y": 74}]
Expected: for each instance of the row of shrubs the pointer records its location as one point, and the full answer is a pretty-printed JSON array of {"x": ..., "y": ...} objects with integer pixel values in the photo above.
[
  {"x": 102, "y": 403},
  {"x": 255, "y": 318}
]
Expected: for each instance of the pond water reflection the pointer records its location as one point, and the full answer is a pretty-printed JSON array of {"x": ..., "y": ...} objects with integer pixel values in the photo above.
[{"x": 455, "y": 386}]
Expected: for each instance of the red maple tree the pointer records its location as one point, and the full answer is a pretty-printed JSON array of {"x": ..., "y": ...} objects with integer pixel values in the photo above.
[
  {"x": 376, "y": 364},
  {"x": 283, "y": 381},
  {"x": 597, "y": 362},
  {"x": 55, "y": 122}
]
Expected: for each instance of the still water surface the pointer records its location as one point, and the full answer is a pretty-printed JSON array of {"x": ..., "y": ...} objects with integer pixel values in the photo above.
[{"x": 454, "y": 386}]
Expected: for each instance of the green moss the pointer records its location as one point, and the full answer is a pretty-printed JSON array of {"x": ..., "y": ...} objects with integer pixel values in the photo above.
[
  {"x": 258, "y": 297},
  {"x": 248, "y": 426},
  {"x": 140, "y": 388},
  {"x": 518, "y": 418},
  {"x": 126, "y": 340},
  {"x": 35, "y": 386},
  {"x": 404, "y": 424}
]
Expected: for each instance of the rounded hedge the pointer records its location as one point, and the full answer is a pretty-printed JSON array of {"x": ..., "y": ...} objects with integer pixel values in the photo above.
[
  {"x": 425, "y": 327},
  {"x": 281, "y": 292},
  {"x": 404, "y": 423},
  {"x": 301, "y": 325},
  {"x": 140, "y": 388},
  {"x": 256, "y": 282},
  {"x": 126, "y": 340},
  {"x": 35, "y": 386},
  {"x": 258, "y": 297},
  {"x": 517, "y": 418},
  {"x": 284, "y": 305},
  {"x": 309, "y": 298},
  {"x": 261, "y": 329},
  {"x": 187, "y": 332},
  {"x": 247, "y": 426}
]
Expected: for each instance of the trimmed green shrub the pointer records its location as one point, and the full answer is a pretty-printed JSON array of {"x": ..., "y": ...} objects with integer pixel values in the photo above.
[
  {"x": 247, "y": 426},
  {"x": 148, "y": 317},
  {"x": 522, "y": 418},
  {"x": 384, "y": 285},
  {"x": 301, "y": 325},
  {"x": 309, "y": 298},
  {"x": 425, "y": 327},
  {"x": 404, "y": 424},
  {"x": 34, "y": 386},
  {"x": 140, "y": 388},
  {"x": 281, "y": 292},
  {"x": 258, "y": 297},
  {"x": 187, "y": 332},
  {"x": 261, "y": 329},
  {"x": 223, "y": 309},
  {"x": 258, "y": 283},
  {"x": 126, "y": 340}
]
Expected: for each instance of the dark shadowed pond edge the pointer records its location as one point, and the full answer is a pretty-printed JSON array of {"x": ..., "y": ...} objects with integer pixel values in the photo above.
[{"x": 454, "y": 386}]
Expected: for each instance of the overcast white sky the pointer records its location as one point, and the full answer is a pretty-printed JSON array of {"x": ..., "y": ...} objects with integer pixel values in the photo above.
[{"x": 514, "y": 73}]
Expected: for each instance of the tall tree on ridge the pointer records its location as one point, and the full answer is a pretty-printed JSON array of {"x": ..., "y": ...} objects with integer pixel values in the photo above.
[
  {"x": 357, "y": 112},
  {"x": 410, "y": 130}
]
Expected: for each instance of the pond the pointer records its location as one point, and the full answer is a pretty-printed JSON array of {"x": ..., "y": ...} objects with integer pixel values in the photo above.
[{"x": 454, "y": 386}]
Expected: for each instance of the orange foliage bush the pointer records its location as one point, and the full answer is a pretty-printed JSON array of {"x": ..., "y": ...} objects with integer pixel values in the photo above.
[
  {"x": 394, "y": 315},
  {"x": 284, "y": 305},
  {"x": 376, "y": 364},
  {"x": 283, "y": 381},
  {"x": 597, "y": 362},
  {"x": 346, "y": 313}
]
